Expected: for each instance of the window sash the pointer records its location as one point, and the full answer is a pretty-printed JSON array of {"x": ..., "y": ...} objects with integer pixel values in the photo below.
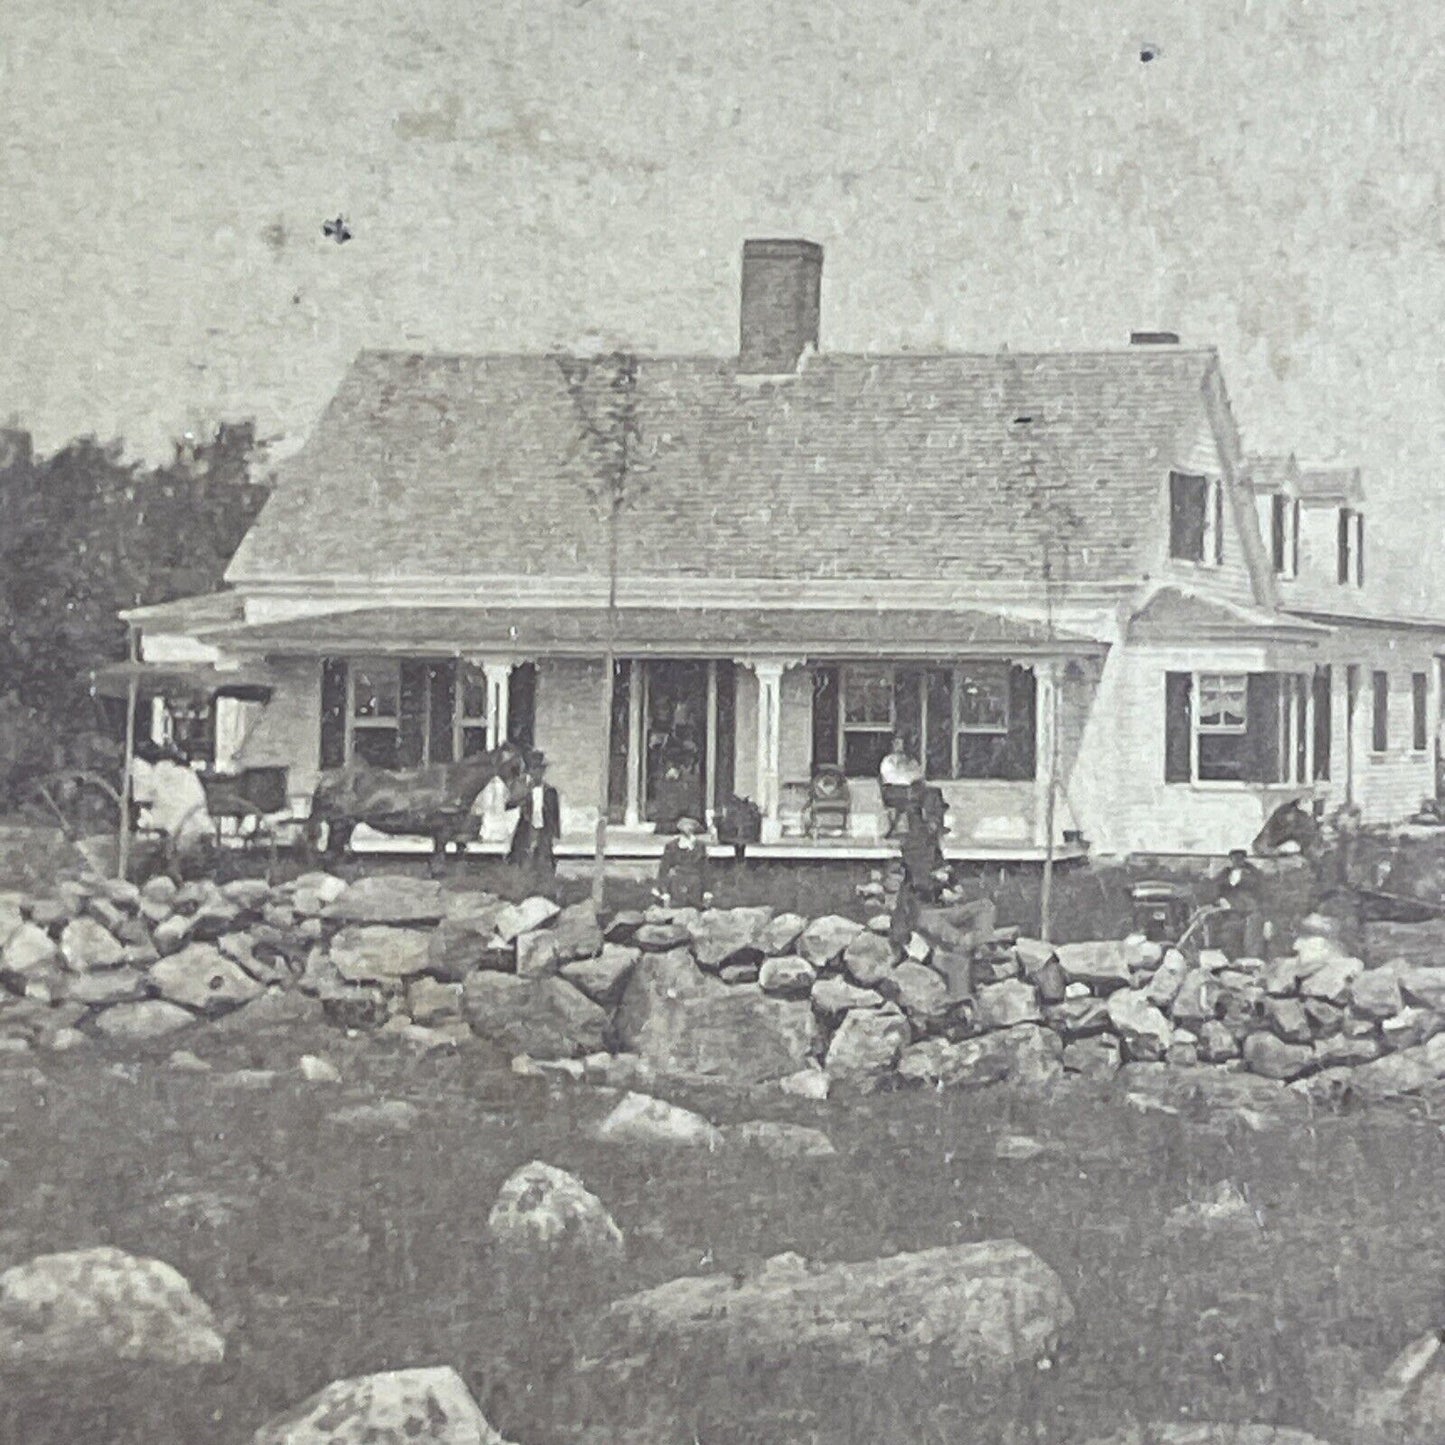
[
  {"x": 1420, "y": 721},
  {"x": 1380, "y": 713},
  {"x": 1223, "y": 706},
  {"x": 1189, "y": 517},
  {"x": 874, "y": 685},
  {"x": 382, "y": 689},
  {"x": 993, "y": 676}
]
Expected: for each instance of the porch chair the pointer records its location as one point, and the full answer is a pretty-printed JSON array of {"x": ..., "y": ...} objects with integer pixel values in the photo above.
[{"x": 830, "y": 803}]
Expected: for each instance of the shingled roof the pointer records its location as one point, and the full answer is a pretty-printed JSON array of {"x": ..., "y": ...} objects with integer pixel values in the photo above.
[{"x": 857, "y": 468}]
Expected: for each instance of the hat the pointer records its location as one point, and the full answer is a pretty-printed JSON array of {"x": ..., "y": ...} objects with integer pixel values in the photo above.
[
  {"x": 688, "y": 825},
  {"x": 536, "y": 761},
  {"x": 1239, "y": 852}
]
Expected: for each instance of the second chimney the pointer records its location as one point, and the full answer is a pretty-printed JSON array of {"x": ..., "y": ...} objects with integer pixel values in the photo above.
[{"x": 781, "y": 302}]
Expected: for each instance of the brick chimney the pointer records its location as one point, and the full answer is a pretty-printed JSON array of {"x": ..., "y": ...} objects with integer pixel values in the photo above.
[{"x": 781, "y": 301}]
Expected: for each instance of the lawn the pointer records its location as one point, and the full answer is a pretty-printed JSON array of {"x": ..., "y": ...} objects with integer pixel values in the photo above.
[{"x": 328, "y": 1251}]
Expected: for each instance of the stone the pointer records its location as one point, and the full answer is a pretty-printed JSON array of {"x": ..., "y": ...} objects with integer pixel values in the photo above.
[
  {"x": 429, "y": 1001},
  {"x": 685, "y": 1022},
  {"x": 920, "y": 992},
  {"x": 1018, "y": 1148},
  {"x": 172, "y": 933},
  {"x": 106, "y": 986},
  {"x": 348, "y": 1005},
  {"x": 833, "y": 997},
  {"x": 1324, "y": 1018},
  {"x": 317, "y": 1070},
  {"x": 86, "y": 944},
  {"x": 807, "y": 1083},
  {"x": 1102, "y": 964},
  {"x": 50, "y": 913},
  {"x": 918, "y": 949},
  {"x": 1272, "y": 1058},
  {"x": 1079, "y": 1018},
  {"x": 380, "y": 954},
  {"x": 160, "y": 889},
  {"x": 28, "y": 951},
  {"x": 1407, "y": 1405},
  {"x": 96, "y": 1307},
  {"x": 1281, "y": 976},
  {"x": 199, "y": 977},
  {"x": 604, "y": 977},
  {"x": 781, "y": 933},
  {"x": 456, "y": 949},
  {"x": 428, "y": 1406},
  {"x": 1000, "y": 968},
  {"x": 275, "y": 1009},
  {"x": 541, "y": 1209},
  {"x": 623, "y": 925},
  {"x": 64, "y": 1040},
  {"x": 1405, "y": 1072},
  {"x": 616, "y": 1071},
  {"x": 1341, "y": 1051},
  {"x": 576, "y": 932},
  {"x": 140, "y": 1022},
  {"x": 1288, "y": 1019},
  {"x": 1424, "y": 987},
  {"x": 957, "y": 969},
  {"x": 880, "y": 923},
  {"x": 1051, "y": 982},
  {"x": 662, "y": 938},
  {"x": 11, "y": 916},
  {"x": 740, "y": 972},
  {"x": 781, "y": 1141},
  {"x": 1002, "y": 1005},
  {"x": 982, "y": 1308},
  {"x": 1197, "y": 998},
  {"x": 1217, "y": 1043},
  {"x": 187, "y": 1062},
  {"x": 386, "y": 1116},
  {"x": 1144, "y": 1030},
  {"x": 1027, "y": 1054},
  {"x": 729, "y": 935},
  {"x": 1333, "y": 980},
  {"x": 1096, "y": 1057},
  {"x": 388, "y": 898},
  {"x": 1376, "y": 994},
  {"x": 868, "y": 959},
  {"x": 1182, "y": 1053},
  {"x": 1410, "y": 1027},
  {"x": 825, "y": 940},
  {"x": 787, "y": 977},
  {"x": 866, "y": 1046},
  {"x": 1033, "y": 954},
  {"x": 1168, "y": 979},
  {"x": 537, "y": 954},
  {"x": 642, "y": 1119},
  {"x": 545, "y": 1017}
]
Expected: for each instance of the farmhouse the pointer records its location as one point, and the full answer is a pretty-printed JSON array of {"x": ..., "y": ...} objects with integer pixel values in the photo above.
[{"x": 1057, "y": 576}]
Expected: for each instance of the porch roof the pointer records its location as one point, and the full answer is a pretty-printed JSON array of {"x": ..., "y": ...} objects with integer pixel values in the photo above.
[
  {"x": 1174, "y": 615},
  {"x": 658, "y": 631}
]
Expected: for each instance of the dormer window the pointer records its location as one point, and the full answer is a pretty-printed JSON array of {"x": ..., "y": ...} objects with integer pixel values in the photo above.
[
  {"x": 1351, "y": 548},
  {"x": 1196, "y": 519},
  {"x": 1284, "y": 528}
]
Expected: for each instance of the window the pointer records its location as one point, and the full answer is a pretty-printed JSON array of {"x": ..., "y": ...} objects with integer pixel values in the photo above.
[
  {"x": 868, "y": 718},
  {"x": 1380, "y": 724},
  {"x": 982, "y": 693},
  {"x": 471, "y": 719},
  {"x": 1223, "y": 703},
  {"x": 1196, "y": 518},
  {"x": 1351, "y": 548},
  {"x": 1419, "y": 697},
  {"x": 1284, "y": 521},
  {"x": 375, "y": 713},
  {"x": 1238, "y": 727}
]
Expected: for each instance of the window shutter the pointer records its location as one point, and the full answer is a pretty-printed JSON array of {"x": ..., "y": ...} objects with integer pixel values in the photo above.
[
  {"x": 1277, "y": 531},
  {"x": 1324, "y": 731},
  {"x": 1359, "y": 549},
  {"x": 1219, "y": 522},
  {"x": 620, "y": 740},
  {"x": 825, "y": 715},
  {"x": 939, "y": 712},
  {"x": 1343, "y": 545},
  {"x": 1264, "y": 700},
  {"x": 1022, "y": 761},
  {"x": 442, "y": 705},
  {"x": 522, "y": 704},
  {"x": 908, "y": 708},
  {"x": 1178, "y": 738},
  {"x": 1294, "y": 539},
  {"x": 333, "y": 712},
  {"x": 724, "y": 751},
  {"x": 411, "y": 734}
]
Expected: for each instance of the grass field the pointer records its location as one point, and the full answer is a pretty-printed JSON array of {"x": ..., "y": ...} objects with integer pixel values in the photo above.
[{"x": 328, "y": 1251}]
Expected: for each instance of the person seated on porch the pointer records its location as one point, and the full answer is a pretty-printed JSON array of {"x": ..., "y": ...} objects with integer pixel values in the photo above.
[
  {"x": 173, "y": 809},
  {"x": 539, "y": 824},
  {"x": 682, "y": 875},
  {"x": 896, "y": 774},
  {"x": 1239, "y": 889}
]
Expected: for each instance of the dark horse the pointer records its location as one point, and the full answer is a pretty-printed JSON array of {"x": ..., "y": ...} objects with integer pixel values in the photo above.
[{"x": 433, "y": 802}]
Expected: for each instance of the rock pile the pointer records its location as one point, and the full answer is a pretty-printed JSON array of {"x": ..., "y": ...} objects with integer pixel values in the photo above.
[{"x": 743, "y": 994}]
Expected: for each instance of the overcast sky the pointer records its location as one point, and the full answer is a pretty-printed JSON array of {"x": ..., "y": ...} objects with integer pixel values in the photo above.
[{"x": 527, "y": 175}]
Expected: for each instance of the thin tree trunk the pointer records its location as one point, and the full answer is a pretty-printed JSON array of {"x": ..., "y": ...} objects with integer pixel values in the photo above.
[
  {"x": 122, "y": 850},
  {"x": 609, "y": 665},
  {"x": 1046, "y": 889}
]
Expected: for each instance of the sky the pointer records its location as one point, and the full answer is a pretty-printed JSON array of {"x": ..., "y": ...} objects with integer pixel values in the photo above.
[{"x": 529, "y": 174}]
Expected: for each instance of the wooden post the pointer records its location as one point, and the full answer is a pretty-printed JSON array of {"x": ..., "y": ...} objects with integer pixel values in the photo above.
[
  {"x": 122, "y": 850},
  {"x": 1046, "y": 888}
]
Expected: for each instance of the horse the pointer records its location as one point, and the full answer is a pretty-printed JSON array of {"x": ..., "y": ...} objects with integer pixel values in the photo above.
[
  {"x": 1291, "y": 828},
  {"x": 434, "y": 801}
]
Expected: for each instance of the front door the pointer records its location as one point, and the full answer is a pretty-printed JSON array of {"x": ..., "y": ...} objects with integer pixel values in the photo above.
[
  {"x": 1352, "y": 708},
  {"x": 675, "y": 723}
]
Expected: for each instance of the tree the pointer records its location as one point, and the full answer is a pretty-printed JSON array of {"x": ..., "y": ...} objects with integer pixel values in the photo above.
[{"x": 603, "y": 391}]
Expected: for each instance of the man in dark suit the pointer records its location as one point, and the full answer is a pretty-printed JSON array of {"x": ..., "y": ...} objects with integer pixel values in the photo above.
[{"x": 538, "y": 826}]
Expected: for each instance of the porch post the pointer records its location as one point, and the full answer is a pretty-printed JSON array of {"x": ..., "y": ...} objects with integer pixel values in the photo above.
[
  {"x": 498, "y": 673},
  {"x": 709, "y": 756},
  {"x": 1046, "y": 681},
  {"x": 636, "y": 680},
  {"x": 770, "y": 690}
]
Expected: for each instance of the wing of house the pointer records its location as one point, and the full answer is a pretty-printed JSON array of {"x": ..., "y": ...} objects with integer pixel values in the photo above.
[{"x": 1046, "y": 572}]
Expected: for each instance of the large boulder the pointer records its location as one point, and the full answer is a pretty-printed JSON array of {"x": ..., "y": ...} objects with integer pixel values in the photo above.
[
  {"x": 920, "y": 992},
  {"x": 1405, "y": 1072},
  {"x": 1096, "y": 1057},
  {"x": 1145, "y": 1031},
  {"x": 641, "y": 1119},
  {"x": 1002, "y": 1005},
  {"x": 788, "y": 977},
  {"x": 546, "y": 1018},
  {"x": 824, "y": 940},
  {"x": 1424, "y": 987},
  {"x": 28, "y": 951},
  {"x": 106, "y": 986},
  {"x": 429, "y": 1001},
  {"x": 86, "y": 944},
  {"x": 389, "y": 898},
  {"x": 399, "y": 1407},
  {"x": 200, "y": 977},
  {"x": 1168, "y": 978},
  {"x": 515, "y": 919},
  {"x": 833, "y": 997},
  {"x": 604, "y": 977},
  {"x": 99, "y": 1306},
  {"x": 456, "y": 948},
  {"x": 1197, "y": 998},
  {"x": 867, "y": 1045},
  {"x": 1333, "y": 980},
  {"x": 868, "y": 959},
  {"x": 1376, "y": 994},
  {"x": 545, "y": 1210},
  {"x": 983, "y": 1308},
  {"x": 380, "y": 954},
  {"x": 1274, "y": 1059},
  {"x": 135, "y": 1023},
  {"x": 1026, "y": 1054},
  {"x": 1103, "y": 964},
  {"x": 683, "y": 1021},
  {"x": 576, "y": 932},
  {"x": 729, "y": 935},
  {"x": 781, "y": 934}
]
